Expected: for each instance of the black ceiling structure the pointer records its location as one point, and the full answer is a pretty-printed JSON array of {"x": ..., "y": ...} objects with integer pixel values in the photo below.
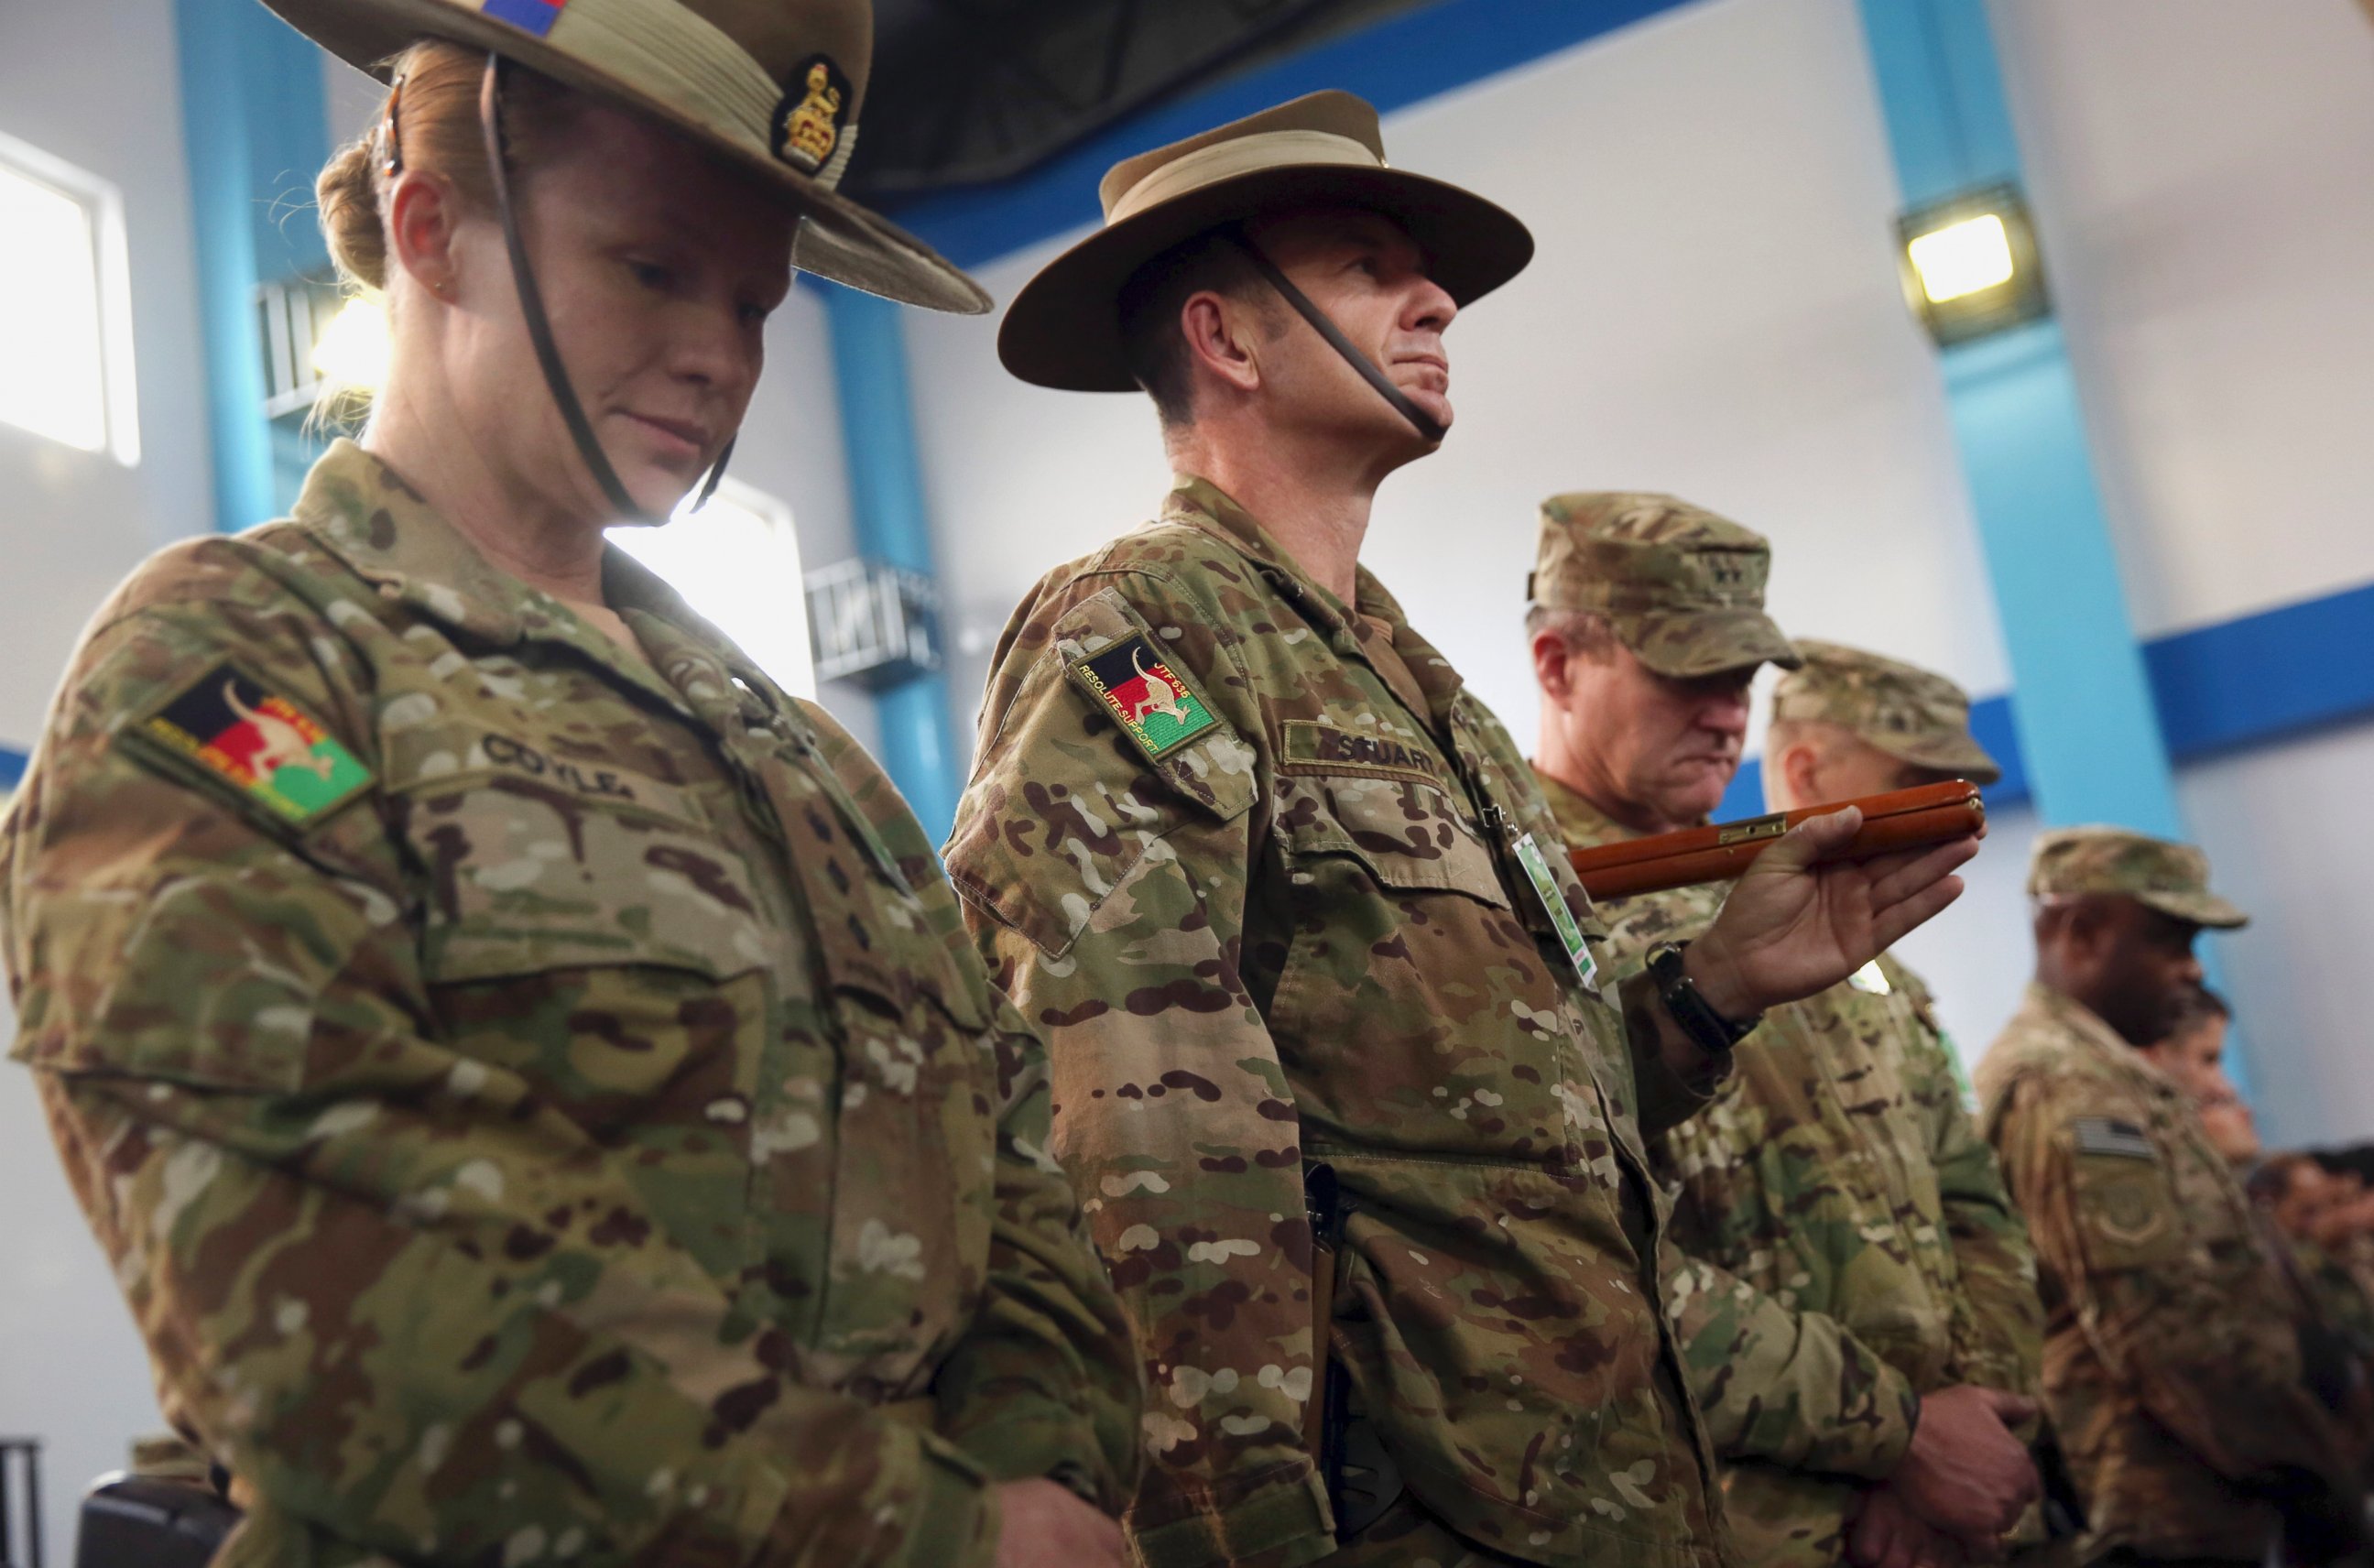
[{"x": 972, "y": 93}]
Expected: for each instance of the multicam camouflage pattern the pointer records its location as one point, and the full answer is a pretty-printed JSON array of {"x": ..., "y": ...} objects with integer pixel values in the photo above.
[
  {"x": 1841, "y": 1241},
  {"x": 2172, "y": 1365},
  {"x": 1681, "y": 588},
  {"x": 575, "y": 1147},
  {"x": 2170, "y": 877},
  {"x": 1303, "y": 938},
  {"x": 1910, "y": 713}
]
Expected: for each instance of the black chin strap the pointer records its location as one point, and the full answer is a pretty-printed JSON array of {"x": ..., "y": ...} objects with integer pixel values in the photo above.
[
  {"x": 1421, "y": 420},
  {"x": 539, "y": 326}
]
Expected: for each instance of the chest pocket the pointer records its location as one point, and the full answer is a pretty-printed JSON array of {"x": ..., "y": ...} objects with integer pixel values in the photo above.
[
  {"x": 592, "y": 948},
  {"x": 1420, "y": 1014},
  {"x": 1406, "y": 834},
  {"x": 526, "y": 878},
  {"x": 615, "y": 959}
]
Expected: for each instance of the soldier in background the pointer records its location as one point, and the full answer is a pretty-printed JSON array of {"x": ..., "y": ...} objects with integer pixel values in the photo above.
[
  {"x": 527, "y": 1070},
  {"x": 2194, "y": 1057},
  {"x": 1855, "y": 1297},
  {"x": 2174, "y": 1376},
  {"x": 1283, "y": 893}
]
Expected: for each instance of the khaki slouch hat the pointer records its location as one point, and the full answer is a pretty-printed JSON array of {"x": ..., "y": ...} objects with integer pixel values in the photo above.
[
  {"x": 1323, "y": 150},
  {"x": 773, "y": 85}
]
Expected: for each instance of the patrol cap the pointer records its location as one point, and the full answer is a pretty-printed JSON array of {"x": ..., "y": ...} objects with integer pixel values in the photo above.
[
  {"x": 2170, "y": 877},
  {"x": 1681, "y": 588},
  {"x": 773, "y": 86},
  {"x": 1323, "y": 150},
  {"x": 1903, "y": 710}
]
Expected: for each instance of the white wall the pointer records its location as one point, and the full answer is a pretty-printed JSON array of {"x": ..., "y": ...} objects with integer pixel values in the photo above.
[
  {"x": 2204, "y": 176},
  {"x": 2267, "y": 818},
  {"x": 100, "y": 88}
]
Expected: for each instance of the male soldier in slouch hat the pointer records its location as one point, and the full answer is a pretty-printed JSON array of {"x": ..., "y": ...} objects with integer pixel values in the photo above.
[
  {"x": 1852, "y": 1287},
  {"x": 2175, "y": 1376},
  {"x": 1284, "y": 897}
]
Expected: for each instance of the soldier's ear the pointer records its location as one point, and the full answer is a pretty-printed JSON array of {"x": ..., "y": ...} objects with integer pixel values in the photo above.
[
  {"x": 1221, "y": 339},
  {"x": 1800, "y": 773},
  {"x": 423, "y": 214},
  {"x": 1554, "y": 664}
]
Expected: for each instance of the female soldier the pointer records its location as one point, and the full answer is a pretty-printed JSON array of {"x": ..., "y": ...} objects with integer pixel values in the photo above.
[{"x": 527, "y": 1070}]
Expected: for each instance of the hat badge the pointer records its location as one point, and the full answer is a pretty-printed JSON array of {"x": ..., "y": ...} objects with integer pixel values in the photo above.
[{"x": 809, "y": 122}]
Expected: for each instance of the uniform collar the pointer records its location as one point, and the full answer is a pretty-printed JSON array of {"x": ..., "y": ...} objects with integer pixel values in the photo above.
[
  {"x": 364, "y": 514},
  {"x": 1579, "y": 822},
  {"x": 1201, "y": 504}
]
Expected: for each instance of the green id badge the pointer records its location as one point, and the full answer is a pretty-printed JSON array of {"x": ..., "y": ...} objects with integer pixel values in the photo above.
[{"x": 1545, "y": 887}]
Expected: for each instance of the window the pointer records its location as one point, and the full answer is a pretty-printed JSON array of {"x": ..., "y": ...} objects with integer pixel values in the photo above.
[
  {"x": 65, "y": 305},
  {"x": 737, "y": 562}
]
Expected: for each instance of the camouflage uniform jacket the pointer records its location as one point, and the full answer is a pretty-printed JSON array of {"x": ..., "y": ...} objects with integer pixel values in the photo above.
[
  {"x": 566, "y": 1146},
  {"x": 1842, "y": 1242},
  {"x": 1303, "y": 935},
  {"x": 2171, "y": 1362}
]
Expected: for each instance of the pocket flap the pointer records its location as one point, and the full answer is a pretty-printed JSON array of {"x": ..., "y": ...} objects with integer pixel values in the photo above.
[{"x": 1408, "y": 833}]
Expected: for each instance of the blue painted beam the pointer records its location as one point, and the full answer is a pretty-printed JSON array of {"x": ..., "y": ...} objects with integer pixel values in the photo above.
[
  {"x": 2247, "y": 682},
  {"x": 12, "y": 768},
  {"x": 885, "y": 492},
  {"x": 255, "y": 131},
  {"x": 2087, "y": 724},
  {"x": 1402, "y": 59}
]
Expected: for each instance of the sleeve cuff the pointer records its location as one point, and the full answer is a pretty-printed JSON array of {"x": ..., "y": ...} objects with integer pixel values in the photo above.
[
  {"x": 1666, "y": 1098},
  {"x": 1874, "y": 1454}
]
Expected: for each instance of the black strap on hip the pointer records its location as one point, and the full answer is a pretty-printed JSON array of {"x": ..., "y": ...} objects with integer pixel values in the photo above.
[
  {"x": 1421, "y": 420},
  {"x": 539, "y": 326}
]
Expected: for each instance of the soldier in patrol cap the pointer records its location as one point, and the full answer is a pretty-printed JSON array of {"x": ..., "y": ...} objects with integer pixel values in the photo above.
[
  {"x": 1287, "y": 902},
  {"x": 527, "y": 1070},
  {"x": 1847, "y": 723},
  {"x": 2175, "y": 1372},
  {"x": 1855, "y": 1297}
]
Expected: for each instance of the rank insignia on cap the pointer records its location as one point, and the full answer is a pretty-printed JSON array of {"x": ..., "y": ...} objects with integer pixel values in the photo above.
[
  {"x": 259, "y": 741},
  {"x": 1148, "y": 699},
  {"x": 810, "y": 120}
]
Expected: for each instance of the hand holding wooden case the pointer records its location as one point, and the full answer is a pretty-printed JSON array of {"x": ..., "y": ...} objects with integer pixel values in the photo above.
[{"x": 1902, "y": 819}]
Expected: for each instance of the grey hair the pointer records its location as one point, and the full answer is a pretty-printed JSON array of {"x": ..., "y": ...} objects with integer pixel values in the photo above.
[{"x": 1583, "y": 631}]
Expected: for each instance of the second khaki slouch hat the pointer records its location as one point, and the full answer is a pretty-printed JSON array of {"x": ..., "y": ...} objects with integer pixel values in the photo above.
[{"x": 1323, "y": 150}]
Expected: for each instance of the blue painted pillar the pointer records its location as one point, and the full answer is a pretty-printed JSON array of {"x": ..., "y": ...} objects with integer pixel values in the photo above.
[
  {"x": 256, "y": 129},
  {"x": 2088, "y": 731},
  {"x": 2088, "y": 728},
  {"x": 886, "y": 490}
]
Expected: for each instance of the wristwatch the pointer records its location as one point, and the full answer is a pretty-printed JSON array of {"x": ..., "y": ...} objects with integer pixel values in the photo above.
[{"x": 1714, "y": 1033}]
